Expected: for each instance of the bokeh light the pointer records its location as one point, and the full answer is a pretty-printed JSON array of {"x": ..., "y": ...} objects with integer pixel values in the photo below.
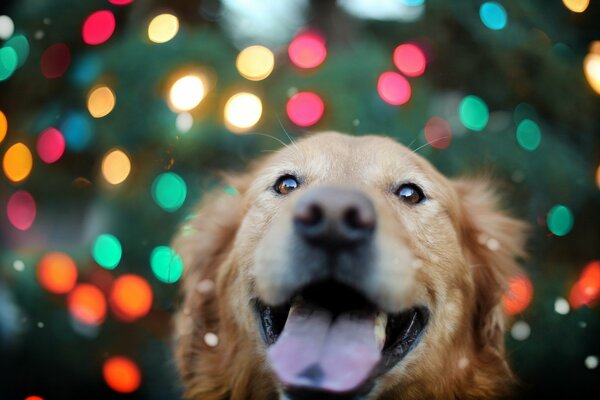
[
  {"x": 166, "y": 264},
  {"x": 393, "y": 88},
  {"x": 598, "y": 177},
  {"x": 473, "y": 113},
  {"x": 163, "y": 28},
  {"x": 78, "y": 130},
  {"x": 169, "y": 191},
  {"x": 560, "y": 220},
  {"x": 87, "y": 304},
  {"x": 121, "y": 374},
  {"x": 116, "y": 166},
  {"x": 577, "y": 6},
  {"x": 255, "y": 63},
  {"x": 50, "y": 145},
  {"x": 307, "y": 50},
  {"x": 438, "y": 132},
  {"x": 409, "y": 59},
  {"x": 8, "y": 62},
  {"x": 493, "y": 15},
  {"x": 98, "y": 27},
  {"x": 186, "y": 93},
  {"x": 7, "y": 27},
  {"x": 17, "y": 162},
  {"x": 305, "y": 108},
  {"x": 55, "y": 60},
  {"x": 21, "y": 210},
  {"x": 242, "y": 111},
  {"x": 591, "y": 69},
  {"x": 20, "y": 45},
  {"x": 3, "y": 126},
  {"x": 586, "y": 291},
  {"x": 131, "y": 297},
  {"x": 101, "y": 101},
  {"x": 518, "y": 296},
  {"x": 529, "y": 135},
  {"x": 121, "y": 2},
  {"x": 107, "y": 251},
  {"x": 57, "y": 272},
  {"x": 184, "y": 122},
  {"x": 34, "y": 398}
]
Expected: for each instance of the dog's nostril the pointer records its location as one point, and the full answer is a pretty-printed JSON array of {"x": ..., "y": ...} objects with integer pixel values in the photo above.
[
  {"x": 357, "y": 219},
  {"x": 310, "y": 215}
]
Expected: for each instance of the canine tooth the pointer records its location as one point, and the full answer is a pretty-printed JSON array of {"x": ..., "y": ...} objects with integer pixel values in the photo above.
[{"x": 380, "y": 325}]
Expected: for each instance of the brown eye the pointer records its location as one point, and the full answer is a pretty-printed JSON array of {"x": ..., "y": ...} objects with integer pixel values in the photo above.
[
  {"x": 286, "y": 184},
  {"x": 410, "y": 193}
]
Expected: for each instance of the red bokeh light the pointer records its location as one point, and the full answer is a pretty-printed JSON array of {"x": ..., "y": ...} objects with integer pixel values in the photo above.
[
  {"x": 50, "y": 145},
  {"x": 305, "y": 108},
  {"x": 393, "y": 88},
  {"x": 87, "y": 304},
  {"x": 131, "y": 297},
  {"x": 307, "y": 50},
  {"x": 120, "y": 2},
  {"x": 586, "y": 291},
  {"x": 57, "y": 272},
  {"x": 438, "y": 133},
  {"x": 55, "y": 60},
  {"x": 98, "y": 27},
  {"x": 21, "y": 210},
  {"x": 518, "y": 296},
  {"x": 410, "y": 60},
  {"x": 121, "y": 374},
  {"x": 34, "y": 398}
]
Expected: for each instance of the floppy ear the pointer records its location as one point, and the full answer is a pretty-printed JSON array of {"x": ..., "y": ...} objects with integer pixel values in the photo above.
[
  {"x": 492, "y": 241},
  {"x": 203, "y": 243}
]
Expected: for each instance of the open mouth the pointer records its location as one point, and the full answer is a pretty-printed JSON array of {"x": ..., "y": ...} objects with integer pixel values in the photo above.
[{"x": 330, "y": 338}]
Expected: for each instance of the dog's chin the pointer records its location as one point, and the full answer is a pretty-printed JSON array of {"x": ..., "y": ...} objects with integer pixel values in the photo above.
[{"x": 328, "y": 341}]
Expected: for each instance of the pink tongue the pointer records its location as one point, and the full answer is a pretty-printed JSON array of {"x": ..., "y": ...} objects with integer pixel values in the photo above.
[{"x": 314, "y": 351}]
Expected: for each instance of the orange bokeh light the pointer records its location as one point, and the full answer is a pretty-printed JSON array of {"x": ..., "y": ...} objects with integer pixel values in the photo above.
[
  {"x": 57, "y": 272},
  {"x": 121, "y": 374},
  {"x": 586, "y": 291},
  {"x": 519, "y": 295},
  {"x": 131, "y": 297},
  {"x": 34, "y": 398},
  {"x": 87, "y": 304}
]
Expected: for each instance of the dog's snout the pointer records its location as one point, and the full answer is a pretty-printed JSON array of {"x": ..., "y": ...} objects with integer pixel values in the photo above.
[{"x": 334, "y": 217}]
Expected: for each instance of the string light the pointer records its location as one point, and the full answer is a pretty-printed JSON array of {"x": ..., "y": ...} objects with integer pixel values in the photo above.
[
  {"x": 7, "y": 27},
  {"x": 57, "y": 272},
  {"x": 577, "y": 6},
  {"x": 50, "y": 145},
  {"x": 3, "y": 126},
  {"x": 438, "y": 133},
  {"x": 17, "y": 162},
  {"x": 473, "y": 113},
  {"x": 131, "y": 297},
  {"x": 586, "y": 291},
  {"x": 518, "y": 296},
  {"x": 493, "y": 15},
  {"x": 560, "y": 220},
  {"x": 393, "y": 88},
  {"x": 21, "y": 210},
  {"x": 20, "y": 45},
  {"x": 529, "y": 135},
  {"x": 78, "y": 130},
  {"x": 242, "y": 111},
  {"x": 107, "y": 251},
  {"x": 186, "y": 93},
  {"x": 55, "y": 60},
  {"x": 87, "y": 304},
  {"x": 166, "y": 264},
  {"x": 163, "y": 28},
  {"x": 121, "y": 374},
  {"x": 98, "y": 27},
  {"x": 409, "y": 59},
  {"x": 116, "y": 166},
  {"x": 305, "y": 108},
  {"x": 255, "y": 63},
  {"x": 101, "y": 101},
  {"x": 591, "y": 66},
  {"x": 307, "y": 50},
  {"x": 8, "y": 62},
  {"x": 169, "y": 191}
]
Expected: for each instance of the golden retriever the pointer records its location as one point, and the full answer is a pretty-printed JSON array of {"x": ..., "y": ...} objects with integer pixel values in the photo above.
[{"x": 346, "y": 268}]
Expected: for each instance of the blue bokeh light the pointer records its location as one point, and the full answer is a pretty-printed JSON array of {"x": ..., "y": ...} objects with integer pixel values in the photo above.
[{"x": 493, "y": 15}]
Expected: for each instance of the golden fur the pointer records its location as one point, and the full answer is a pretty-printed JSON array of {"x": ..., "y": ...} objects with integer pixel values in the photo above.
[{"x": 455, "y": 256}]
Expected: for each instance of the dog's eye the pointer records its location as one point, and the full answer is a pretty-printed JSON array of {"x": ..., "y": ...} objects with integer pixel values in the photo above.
[
  {"x": 410, "y": 193},
  {"x": 286, "y": 184}
]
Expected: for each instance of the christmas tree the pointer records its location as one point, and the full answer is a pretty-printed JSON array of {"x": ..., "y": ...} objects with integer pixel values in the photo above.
[{"x": 117, "y": 115}]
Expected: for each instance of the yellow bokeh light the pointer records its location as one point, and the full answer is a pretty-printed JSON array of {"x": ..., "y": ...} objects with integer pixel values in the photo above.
[
  {"x": 255, "y": 63},
  {"x": 598, "y": 177},
  {"x": 577, "y": 6},
  {"x": 101, "y": 101},
  {"x": 186, "y": 93},
  {"x": 591, "y": 69},
  {"x": 17, "y": 162},
  {"x": 242, "y": 111},
  {"x": 116, "y": 166},
  {"x": 163, "y": 28},
  {"x": 3, "y": 126}
]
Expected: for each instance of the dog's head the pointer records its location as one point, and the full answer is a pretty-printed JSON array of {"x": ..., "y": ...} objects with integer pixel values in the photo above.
[{"x": 346, "y": 267}]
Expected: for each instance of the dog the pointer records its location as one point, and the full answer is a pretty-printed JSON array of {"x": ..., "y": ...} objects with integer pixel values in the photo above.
[{"x": 346, "y": 267}]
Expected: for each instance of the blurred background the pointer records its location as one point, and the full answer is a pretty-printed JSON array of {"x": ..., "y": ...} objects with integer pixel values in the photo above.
[{"x": 116, "y": 115}]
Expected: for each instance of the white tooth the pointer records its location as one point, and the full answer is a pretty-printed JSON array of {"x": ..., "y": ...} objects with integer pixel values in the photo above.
[{"x": 380, "y": 325}]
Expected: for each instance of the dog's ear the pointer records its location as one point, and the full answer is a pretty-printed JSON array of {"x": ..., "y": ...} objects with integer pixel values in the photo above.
[
  {"x": 203, "y": 242},
  {"x": 492, "y": 241}
]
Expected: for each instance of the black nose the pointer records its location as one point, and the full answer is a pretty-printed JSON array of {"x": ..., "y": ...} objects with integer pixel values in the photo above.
[{"x": 334, "y": 217}]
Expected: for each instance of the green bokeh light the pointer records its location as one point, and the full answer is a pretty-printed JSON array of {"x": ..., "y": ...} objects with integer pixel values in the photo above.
[
  {"x": 166, "y": 264},
  {"x": 529, "y": 135},
  {"x": 107, "y": 251},
  {"x": 8, "y": 62},
  {"x": 169, "y": 191},
  {"x": 473, "y": 113},
  {"x": 560, "y": 220},
  {"x": 20, "y": 45}
]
